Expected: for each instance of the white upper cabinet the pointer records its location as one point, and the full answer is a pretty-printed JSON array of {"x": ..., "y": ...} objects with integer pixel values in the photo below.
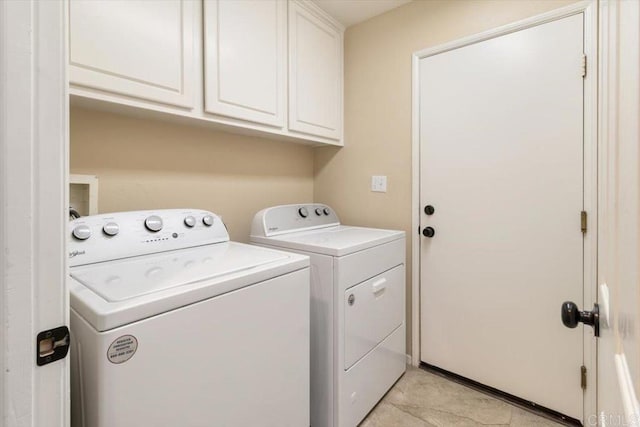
[
  {"x": 140, "y": 49},
  {"x": 315, "y": 72},
  {"x": 264, "y": 67},
  {"x": 245, "y": 59}
]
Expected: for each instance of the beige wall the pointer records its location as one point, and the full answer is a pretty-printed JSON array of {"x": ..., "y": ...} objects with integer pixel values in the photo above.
[
  {"x": 378, "y": 106},
  {"x": 149, "y": 164}
]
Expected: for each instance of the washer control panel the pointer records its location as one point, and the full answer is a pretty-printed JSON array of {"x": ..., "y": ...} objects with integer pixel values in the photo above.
[
  {"x": 288, "y": 218},
  {"x": 106, "y": 237}
]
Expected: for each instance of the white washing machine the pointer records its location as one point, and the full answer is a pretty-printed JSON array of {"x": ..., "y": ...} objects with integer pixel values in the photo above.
[
  {"x": 357, "y": 306},
  {"x": 174, "y": 325}
]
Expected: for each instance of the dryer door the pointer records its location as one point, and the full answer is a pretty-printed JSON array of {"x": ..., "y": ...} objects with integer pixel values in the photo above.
[{"x": 373, "y": 309}]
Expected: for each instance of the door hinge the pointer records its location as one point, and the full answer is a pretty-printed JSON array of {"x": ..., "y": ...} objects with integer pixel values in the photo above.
[
  {"x": 584, "y": 66},
  {"x": 583, "y": 221},
  {"x": 583, "y": 377}
]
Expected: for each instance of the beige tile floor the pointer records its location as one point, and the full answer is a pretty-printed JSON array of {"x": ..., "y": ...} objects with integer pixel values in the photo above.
[{"x": 422, "y": 399}]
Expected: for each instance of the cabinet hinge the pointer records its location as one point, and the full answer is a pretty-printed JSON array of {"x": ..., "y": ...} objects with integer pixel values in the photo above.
[
  {"x": 584, "y": 66},
  {"x": 583, "y": 222},
  {"x": 583, "y": 377}
]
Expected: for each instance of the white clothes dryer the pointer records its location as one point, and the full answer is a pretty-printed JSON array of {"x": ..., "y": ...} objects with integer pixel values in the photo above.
[
  {"x": 357, "y": 306},
  {"x": 174, "y": 325}
]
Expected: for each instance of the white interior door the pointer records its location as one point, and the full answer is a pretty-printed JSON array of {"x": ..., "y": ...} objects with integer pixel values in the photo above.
[{"x": 501, "y": 146}]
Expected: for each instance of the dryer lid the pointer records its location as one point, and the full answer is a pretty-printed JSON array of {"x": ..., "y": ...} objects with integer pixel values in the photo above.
[
  {"x": 129, "y": 278},
  {"x": 335, "y": 241}
]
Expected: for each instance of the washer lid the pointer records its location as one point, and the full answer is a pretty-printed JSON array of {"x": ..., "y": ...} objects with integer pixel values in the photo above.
[
  {"x": 115, "y": 293},
  {"x": 336, "y": 241},
  {"x": 130, "y": 278}
]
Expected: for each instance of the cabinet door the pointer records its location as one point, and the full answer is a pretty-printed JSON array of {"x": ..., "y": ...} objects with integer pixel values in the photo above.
[
  {"x": 142, "y": 49},
  {"x": 245, "y": 59},
  {"x": 315, "y": 73}
]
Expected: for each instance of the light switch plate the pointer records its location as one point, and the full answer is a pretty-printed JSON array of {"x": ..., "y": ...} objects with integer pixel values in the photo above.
[{"x": 379, "y": 183}]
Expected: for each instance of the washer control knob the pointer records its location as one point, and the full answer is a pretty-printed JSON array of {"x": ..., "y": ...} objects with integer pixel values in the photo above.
[
  {"x": 303, "y": 212},
  {"x": 153, "y": 223},
  {"x": 318, "y": 211},
  {"x": 111, "y": 229},
  {"x": 81, "y": 232},
  {"x": 326, "y": 211},
  {"x": 190, "y": 221},
  {"x": 207, "y": 220}
]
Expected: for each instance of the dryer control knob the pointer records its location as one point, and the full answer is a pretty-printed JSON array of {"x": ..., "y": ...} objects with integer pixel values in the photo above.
[
  {"x": 303, "y": 212},
  {"x": 153, "y": 223},
  {"x": 318, "y": 211},
  {"x": 326, "y": 211},
  {"x": 111, "y": 229},
  {"x": 81, "y": 232},
  {"x": 207, "y": 220},
  {"x": 190, "y": 221}
]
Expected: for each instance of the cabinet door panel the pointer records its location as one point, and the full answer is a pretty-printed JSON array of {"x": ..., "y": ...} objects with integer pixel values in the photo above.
[
  {"x": 245, "y": 62},
  {"x": 315, "y": 74},
  {"x": 142, "y": 49}
]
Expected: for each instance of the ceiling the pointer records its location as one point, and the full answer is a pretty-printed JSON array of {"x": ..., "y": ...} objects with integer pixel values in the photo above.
[{"x": 350, "y": 12}]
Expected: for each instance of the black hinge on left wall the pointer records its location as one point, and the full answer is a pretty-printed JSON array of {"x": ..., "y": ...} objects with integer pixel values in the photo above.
[{"x": 583, "y": 377}]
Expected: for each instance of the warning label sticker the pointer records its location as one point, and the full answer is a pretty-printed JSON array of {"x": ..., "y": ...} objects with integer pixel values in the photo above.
[{"x": 122, "y": 349}]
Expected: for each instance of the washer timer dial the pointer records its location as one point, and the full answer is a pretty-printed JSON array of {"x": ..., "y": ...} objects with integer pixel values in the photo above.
[{"x": 153, "y": 223}]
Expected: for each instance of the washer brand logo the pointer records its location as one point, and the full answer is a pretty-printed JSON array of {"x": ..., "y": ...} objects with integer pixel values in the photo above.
[
  {"x": 76, "y": 253},
  {"x": 273, "y": 228}
]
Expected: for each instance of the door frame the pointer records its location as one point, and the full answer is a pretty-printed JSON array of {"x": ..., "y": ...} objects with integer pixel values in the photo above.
[
  {"x": 34, "y": 116},
  {"x": 619, "y": 206},
  {"x": 589, "y": 8}
]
